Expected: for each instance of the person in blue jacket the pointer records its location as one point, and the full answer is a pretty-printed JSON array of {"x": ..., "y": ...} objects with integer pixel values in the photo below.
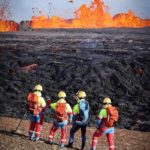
[{"x": 80, "y": 119}]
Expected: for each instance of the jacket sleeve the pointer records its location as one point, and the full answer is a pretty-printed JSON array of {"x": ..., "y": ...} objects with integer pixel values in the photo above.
[
  {"x": 76, "y": 109},
  {"x": 102, "y": 113},
  {"x": 69, "y": 109},
  {"x": 41, "y": 102},
  {"x": 53, "y": 105}
]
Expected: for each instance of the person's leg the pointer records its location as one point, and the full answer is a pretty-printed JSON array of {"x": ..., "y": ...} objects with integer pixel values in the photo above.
[
  {"x": 37, "y": 127},
  {"x": 63, "y": 126},
  {"x": 38, "y": 131},
  {"x": 31, "y": 130},
  {"x": 74, "y": 128},
  {"x": 83, "y": 136},
  {"x": 110, "y": 139},
  {"x": 32, "y": 126},
  {"x": 39, "y": 123},
  {"x": 51, "y": 134},
  {"x": 96, "y": 135},
  {"x": 63, "y": 136},
  {"x": 41, "y": 119}
]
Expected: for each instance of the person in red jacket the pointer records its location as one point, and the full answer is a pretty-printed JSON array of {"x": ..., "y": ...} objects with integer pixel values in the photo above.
[
  {"x": 105, "y": 124},
  {"x": 36, "y": 105},
  {"x": 63, "y": 115}
]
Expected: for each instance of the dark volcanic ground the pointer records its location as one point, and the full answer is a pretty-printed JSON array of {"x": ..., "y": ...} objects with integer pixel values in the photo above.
[
  {"x": 103, "y": 62},
  {"x": 10, "y": 139}
]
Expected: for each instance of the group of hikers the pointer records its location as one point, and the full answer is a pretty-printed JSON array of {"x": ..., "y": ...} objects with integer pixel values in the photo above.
[{"x": 78, "y": 117}]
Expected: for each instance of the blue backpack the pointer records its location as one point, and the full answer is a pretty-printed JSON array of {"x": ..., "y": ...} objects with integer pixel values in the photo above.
[{"x": 84, "y": 112}]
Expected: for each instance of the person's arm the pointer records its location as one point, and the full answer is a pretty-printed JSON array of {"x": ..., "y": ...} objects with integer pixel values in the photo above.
[
  {"x": 53, "y": 105},
  {"x": 76, "y": 109},
  {"x": 102, "y": 114},
  {"x": 41, "y": 102},
  {"x": 69, "y": 109},
  {"x": 69, "y": 112},
  {"x": 74, "y": 113}
]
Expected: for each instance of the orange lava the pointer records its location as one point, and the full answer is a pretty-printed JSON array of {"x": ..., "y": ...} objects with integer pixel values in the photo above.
[
  {"x": 8, "y": 26},
  {"x": 95, "y": 16}
]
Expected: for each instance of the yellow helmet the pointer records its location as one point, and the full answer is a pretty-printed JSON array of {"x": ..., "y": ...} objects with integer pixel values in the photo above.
[
  {"x": 61, "y": 94},
  {"x": 81, "y": 94},
  {"x": 38, "y": 87},
  {"x": 107, "y": 100}
]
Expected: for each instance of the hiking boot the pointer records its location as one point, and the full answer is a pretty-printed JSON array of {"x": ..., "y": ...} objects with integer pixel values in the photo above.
[
  {"x": 62, "y": 146},
  {"x": 92, "y": 148},
  {"x": 83, "y": 145},
  {"x": 49, "y": 142},
  {"x": 36, "y": 140},
  {"x": 70, "y": 145},
  {"x": 31, "y": 136}
]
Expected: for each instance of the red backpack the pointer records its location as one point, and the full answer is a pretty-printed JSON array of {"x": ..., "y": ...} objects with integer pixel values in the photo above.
[
  {"x": 32, "y": 102},
  {"x": 61, "y": 112},
  {"x": 112, "y": 116}
]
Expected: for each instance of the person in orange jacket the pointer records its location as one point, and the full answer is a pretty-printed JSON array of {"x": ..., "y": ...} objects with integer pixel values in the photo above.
[
  {"x": 63, "y": 115},
  {"x": 36, "y": 112},
  {"x": 105, "y": 124}
]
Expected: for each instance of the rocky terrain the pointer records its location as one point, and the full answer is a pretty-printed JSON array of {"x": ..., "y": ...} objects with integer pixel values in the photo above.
[
  {"x": 10, "y": 138},
  {"x": 103, "y": 62}
]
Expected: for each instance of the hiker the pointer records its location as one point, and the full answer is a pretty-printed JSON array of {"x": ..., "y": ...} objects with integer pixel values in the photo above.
[
  {"x": 35, "y": 106},
  {"x": 105, "y": 124},
  {"x": 63, "y": 115},
  {"x": 80, "y": 118}
]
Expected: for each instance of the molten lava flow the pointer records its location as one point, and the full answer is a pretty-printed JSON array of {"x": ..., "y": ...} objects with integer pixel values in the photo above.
[
  {"x": 6, "y": 25},
  {"x": 53, "y": 22},
  {"x": 130, "y": 20},
  {"x": 95, "y": 16}
]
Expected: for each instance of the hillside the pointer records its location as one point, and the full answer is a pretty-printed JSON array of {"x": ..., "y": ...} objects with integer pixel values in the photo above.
[
  {"x": 10, "y": 140},
  {"x": 103, "y": 62}
]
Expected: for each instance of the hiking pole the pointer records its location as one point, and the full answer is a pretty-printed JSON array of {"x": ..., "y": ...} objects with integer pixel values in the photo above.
[{"x": 16, "y": 130}]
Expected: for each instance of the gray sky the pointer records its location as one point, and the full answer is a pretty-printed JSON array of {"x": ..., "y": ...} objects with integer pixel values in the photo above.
[{"x": 22, "y": 9}]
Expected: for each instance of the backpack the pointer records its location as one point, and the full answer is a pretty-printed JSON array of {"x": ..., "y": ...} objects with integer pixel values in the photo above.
[
  {"x": 112, "y": 116},
  {"x": 84, "y": 112},
  {"x": 32, "y": 103},
  {"x": 61, "y": 112}
]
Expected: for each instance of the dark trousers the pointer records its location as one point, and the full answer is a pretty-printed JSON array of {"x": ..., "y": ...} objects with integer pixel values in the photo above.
[{"x": 74, "y": 129}]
